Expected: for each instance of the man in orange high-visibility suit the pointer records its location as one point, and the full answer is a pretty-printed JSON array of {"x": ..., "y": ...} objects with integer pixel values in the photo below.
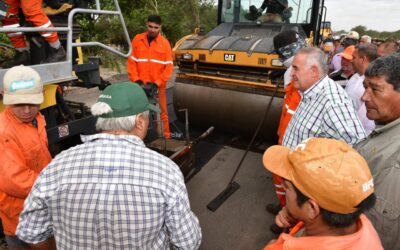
[
  {"x": 32, "y": 10},
  {"x": 151, "y": 63},
  {"x": 23, "y": 146},
  {"x": 286, "y": 43}
]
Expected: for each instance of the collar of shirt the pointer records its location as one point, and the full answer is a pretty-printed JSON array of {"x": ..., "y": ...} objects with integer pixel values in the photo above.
[
  {"x": 103, "y": 136},
  {"x": 288, "y": 62},
  {"x": 155, "y": 40},
  {"x": 314, "y": 89},
  {"x": 383, "y": 128}
]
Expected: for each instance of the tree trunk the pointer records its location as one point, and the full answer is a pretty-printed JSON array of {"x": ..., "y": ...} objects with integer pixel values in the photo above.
[
  {"x": 194, "y": 7},
  {"x": 154, "y": 5}
]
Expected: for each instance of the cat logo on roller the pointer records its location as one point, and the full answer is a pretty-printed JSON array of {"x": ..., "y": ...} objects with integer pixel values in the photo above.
[{"x": 229, "y": 57}]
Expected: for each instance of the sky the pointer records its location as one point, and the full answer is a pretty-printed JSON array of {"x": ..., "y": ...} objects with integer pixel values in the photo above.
[{"x": 380, "y": 15}]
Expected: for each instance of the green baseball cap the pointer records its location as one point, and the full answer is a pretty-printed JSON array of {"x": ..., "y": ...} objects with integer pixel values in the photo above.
[{"x": 125, "y": 99}]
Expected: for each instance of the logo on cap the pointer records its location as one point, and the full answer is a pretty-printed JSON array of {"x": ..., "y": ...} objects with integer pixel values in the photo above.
[
  {"x": 105, "y": 96},
  {"x": 368, "y": 185},
  {"x": 21, "y": 84}
]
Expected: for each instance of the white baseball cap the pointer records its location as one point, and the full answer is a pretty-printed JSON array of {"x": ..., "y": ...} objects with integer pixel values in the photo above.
[
  {"x": 353, "y": 35},
  {"x": 22, "y": 84}
]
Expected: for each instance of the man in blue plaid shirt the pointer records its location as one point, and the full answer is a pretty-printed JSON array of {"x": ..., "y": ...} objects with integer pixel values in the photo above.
[
  {"x": 325, "y": 109},
  {"x": 111, "y": 192}
]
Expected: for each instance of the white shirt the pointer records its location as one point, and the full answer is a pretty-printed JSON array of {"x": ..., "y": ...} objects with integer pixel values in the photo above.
[
  {"x": 355, "y": 90},
  {"x": 336, "y": 63}
]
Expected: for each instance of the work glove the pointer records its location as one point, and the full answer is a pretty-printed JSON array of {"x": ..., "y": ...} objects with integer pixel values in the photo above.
[
  {"x": 151, "y": 89},
  {"x": 287, "y": 13},
  {"x": 140, "y": 82}
]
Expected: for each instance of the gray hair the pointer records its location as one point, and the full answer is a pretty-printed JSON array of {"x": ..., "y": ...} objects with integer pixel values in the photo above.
[
  {"x": 126, "y": 123},
  {"x": 367, "y": 38},
  {"x": 315, "y": 56},
  {"x": 387, "y": 67}
]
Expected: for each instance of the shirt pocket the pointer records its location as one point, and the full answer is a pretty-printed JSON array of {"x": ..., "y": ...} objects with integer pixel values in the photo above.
[
  {"x": 141, "y": 52},
  {"x": 159, "y": 53},
  {"x": 389, "y": 215},
  {"x": 32, "y": 158}
]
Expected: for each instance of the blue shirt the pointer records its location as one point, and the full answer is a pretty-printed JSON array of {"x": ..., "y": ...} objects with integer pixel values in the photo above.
[{"x": 111, "y": 192}]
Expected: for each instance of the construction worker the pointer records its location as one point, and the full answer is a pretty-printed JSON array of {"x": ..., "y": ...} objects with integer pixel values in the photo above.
[
  {"x": 23, "y": 146},
  {"x": 32, "y": 10},
  {"x": 277, "y": 11},
  {"x": 286, "y": 43},
  {"x": 328, "y": 187},
  {"x": 151, "y": 63}
]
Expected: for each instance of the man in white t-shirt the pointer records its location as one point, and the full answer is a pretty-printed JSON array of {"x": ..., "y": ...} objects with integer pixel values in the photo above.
[{"x": 362, "y": 56}]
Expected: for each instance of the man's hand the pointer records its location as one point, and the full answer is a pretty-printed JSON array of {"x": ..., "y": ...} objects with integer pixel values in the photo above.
[
  {"x": 284, "y": 220},
  {"x": 151, "y": 89}
]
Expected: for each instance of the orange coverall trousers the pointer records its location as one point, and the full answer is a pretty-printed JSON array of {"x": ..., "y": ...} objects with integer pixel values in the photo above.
[
  {"x": 33, "y": 13},
  {"x": 290, "y": 102}
]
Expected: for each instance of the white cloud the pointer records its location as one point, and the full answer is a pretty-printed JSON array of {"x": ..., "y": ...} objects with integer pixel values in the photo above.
[{"x": 381, "y": 15}]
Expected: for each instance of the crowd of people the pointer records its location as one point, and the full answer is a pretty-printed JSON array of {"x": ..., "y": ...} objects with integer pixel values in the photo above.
[
  {"x": 336, "y": 167},
  {"x": 339, "y": 146}
]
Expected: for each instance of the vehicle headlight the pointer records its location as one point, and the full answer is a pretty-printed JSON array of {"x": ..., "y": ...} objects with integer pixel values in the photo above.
[
  {"x": 276, "y": 62},
  {"x": 187, "y": 56}
]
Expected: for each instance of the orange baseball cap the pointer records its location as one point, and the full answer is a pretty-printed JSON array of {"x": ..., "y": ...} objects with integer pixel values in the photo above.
[
  {"x": 348, "y": 52},
  {"x": 326, "y": 170}
]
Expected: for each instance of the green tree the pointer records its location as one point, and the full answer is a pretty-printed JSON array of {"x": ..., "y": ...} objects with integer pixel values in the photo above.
[
  {"x": 360, "y": 29},
  {"x": 208, "y": 15},
  {"x": 180, "y": 17}
]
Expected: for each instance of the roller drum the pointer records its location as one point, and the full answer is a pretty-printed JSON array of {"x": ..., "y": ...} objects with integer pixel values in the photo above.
[{"x": 228, "y": 110}]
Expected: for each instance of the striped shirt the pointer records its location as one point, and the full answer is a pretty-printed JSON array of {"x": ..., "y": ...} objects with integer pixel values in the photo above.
[
  {"x": 325, "y": 111},
  {"x": 111, "y": 192}
]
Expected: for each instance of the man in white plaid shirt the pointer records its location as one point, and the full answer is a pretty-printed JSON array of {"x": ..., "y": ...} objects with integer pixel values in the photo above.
[
  {"x": 111, "y": 192},
  {"x": 325, "y": 109}
]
